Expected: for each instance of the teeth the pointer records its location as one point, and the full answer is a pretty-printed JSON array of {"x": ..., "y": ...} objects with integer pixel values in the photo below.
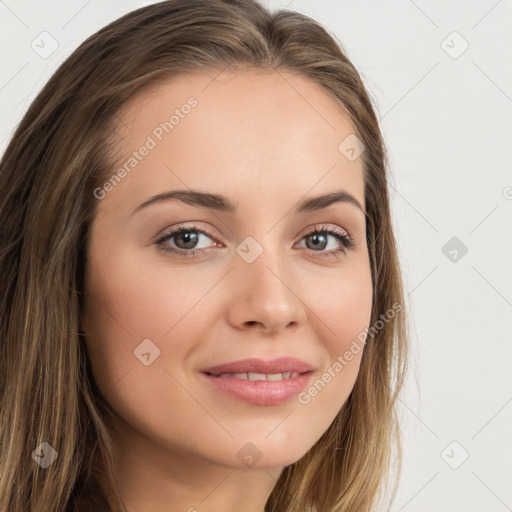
[{"x": 259, "y": 376}]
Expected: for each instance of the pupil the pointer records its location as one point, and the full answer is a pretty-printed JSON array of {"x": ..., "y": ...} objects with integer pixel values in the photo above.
[
  {"x": 189, "y": 238},
  {"x": 315, "y": 237}
]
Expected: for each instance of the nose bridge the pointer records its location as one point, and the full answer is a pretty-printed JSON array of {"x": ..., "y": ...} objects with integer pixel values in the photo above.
[
  {"x": 269, "y": 269},
  {"x": 265, "y": 254},
  {"x": 264, "y": 282}
]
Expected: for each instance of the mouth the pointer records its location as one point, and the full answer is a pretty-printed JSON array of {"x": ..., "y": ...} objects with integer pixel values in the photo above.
[
  {"x": 260, "y": 382},
  {"x": 254, "y": 376},
  {"x": 283, "y": 366}
]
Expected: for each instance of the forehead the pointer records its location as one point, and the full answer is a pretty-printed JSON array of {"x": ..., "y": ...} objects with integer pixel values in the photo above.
[{"x": 250, "y": 130}]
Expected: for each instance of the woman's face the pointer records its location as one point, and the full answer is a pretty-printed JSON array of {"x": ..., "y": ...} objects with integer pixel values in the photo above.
[{"x": 262, "y": 286}]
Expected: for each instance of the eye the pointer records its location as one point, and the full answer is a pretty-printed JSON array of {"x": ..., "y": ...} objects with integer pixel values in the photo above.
[
  {"x": 320, "y": 235},
  {"x": 186, "y": 239},
  {"x": 183, "y": 237}
]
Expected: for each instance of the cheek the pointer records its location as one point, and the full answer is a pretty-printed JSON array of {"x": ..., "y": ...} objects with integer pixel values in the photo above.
[
  {"x": 343, "y": 305},
  {"x": 135, "y": 297},
  {"x": 139, "y": 293},
  {"x": 126, "y": 307}
]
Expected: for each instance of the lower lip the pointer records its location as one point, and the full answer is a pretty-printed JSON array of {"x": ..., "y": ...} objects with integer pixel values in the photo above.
[{"x": 261, "y": 392}]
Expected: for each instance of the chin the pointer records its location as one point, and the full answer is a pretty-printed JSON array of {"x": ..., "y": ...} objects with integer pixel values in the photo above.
[{"x": 249, "y": 456}]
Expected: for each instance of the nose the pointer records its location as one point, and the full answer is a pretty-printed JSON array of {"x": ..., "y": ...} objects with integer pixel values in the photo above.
[{"x": 264, "y": 296}]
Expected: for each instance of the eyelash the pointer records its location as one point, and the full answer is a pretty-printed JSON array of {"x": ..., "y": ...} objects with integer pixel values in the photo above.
[{"x": 346, "y": 241}]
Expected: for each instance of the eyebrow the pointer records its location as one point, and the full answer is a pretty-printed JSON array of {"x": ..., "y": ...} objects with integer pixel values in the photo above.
[{"x": 222, "y": 203}]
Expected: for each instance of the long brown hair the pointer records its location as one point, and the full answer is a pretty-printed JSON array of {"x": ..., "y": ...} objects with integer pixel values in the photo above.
[{"x": 60, "y": 152}]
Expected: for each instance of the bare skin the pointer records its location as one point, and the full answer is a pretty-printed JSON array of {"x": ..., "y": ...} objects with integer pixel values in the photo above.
[{"x": 265, "y": 143}]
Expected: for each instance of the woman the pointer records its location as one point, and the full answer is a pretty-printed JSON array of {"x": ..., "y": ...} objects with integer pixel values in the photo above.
[{"x": 145, "y": 370}]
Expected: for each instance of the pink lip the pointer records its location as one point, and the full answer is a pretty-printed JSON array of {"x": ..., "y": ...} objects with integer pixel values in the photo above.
[
  {"x": 260, "y": 392},
  {"x": 279, "y": 365}
]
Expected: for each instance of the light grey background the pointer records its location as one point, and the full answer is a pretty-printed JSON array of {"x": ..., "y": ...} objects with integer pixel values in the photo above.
[{"x": 446, "y": 115}]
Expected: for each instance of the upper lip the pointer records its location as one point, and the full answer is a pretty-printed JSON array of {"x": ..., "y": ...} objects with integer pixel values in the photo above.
[{"x": 279, "y": 365}]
